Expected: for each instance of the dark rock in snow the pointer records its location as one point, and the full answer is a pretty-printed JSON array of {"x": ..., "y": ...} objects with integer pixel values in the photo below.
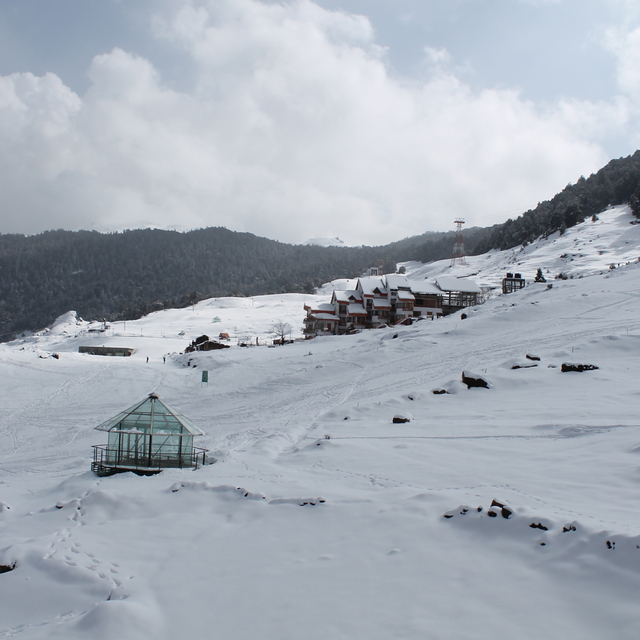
[
  {"x": 439, "y": 391},
  {"x": 495, "y": 503},
  {"x": 400, "y": 419},
  {"x": 532, "y": 357},
  {"x": 491, "y": 514},
  {"x": 5, "y": 568},
  {"x": 312, "y": 502},
  {"x": 567, "y": 366},
  {"x": 474, "y": 380},
  {"x": 506, "y": 513},
  {"x": 539, "y": 525}
]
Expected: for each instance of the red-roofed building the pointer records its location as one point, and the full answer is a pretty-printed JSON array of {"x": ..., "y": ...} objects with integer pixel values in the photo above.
[{"x": 386, "y": 300}]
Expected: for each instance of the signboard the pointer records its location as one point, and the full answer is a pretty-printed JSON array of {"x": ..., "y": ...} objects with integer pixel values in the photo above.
[{"x": 205, "y": 376}]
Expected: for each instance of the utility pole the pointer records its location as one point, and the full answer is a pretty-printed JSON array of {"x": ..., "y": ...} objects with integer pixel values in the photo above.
[{"x": 459, "y": 253}]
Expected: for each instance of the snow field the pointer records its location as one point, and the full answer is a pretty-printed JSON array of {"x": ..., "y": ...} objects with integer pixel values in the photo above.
[{"x": 294, "y": 535}]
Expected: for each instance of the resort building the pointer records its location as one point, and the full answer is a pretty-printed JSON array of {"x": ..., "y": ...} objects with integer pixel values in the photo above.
[{"x": 386, "y": 300}]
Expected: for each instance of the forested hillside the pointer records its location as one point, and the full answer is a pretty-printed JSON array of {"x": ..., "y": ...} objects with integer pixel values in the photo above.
[{"x": 128, "y": 274}]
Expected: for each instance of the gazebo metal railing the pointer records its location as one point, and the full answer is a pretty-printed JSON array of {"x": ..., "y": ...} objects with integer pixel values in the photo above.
[{"x": 107, "y": 461}]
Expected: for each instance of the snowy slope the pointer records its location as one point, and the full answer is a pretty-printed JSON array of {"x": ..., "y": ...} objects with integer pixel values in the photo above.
[
  {"x": 586, "y": 249},
  {"x": 293, "y": 535}
]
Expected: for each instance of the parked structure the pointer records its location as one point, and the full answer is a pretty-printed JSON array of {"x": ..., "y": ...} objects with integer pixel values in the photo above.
[
  {"x": 513, "y": 282},
  {"x": 457, "y": 293},
  {"x": 385, "y": 300},
  {"x": 374, "y": 271},
  {"x": 146, "y": 438},
  {"x": 204, "y": 343}
]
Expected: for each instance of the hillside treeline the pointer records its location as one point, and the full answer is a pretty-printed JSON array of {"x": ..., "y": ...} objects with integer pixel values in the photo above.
[
  {"x": 122, "y": 276},
  {"x": 129, "y": 274}
]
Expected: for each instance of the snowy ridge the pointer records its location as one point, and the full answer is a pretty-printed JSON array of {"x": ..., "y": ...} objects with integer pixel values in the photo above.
[
  {"x": 321, "y": 517},
  {"x": 326, "y": 242}
]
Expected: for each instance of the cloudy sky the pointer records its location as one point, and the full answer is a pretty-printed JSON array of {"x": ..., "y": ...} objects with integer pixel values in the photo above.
[{"x": 370, "y": 120}]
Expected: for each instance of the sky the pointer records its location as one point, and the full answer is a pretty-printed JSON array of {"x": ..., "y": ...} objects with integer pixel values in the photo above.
[{"x": 368, "y": 120}]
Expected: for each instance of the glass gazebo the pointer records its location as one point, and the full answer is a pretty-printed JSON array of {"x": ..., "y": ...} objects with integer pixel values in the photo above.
[{"x": 146, "y": 438}]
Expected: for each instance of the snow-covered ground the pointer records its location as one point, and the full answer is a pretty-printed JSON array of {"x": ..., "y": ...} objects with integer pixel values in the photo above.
[{"x": 245, "y": 549}]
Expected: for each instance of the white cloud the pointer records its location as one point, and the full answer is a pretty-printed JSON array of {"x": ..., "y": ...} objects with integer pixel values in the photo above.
[
  {"x": 625, "y": 44},
  {"x": 294, "y": 128},
  {"x": 623, "y": 41}
]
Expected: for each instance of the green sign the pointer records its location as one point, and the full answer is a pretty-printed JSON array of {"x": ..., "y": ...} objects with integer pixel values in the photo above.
[{"x": 205, "y": 376}]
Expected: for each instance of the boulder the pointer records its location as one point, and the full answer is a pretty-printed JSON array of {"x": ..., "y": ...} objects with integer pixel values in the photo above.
[
  {"x": 474, "y": 380},
  {"x": 568, "y": 366}
]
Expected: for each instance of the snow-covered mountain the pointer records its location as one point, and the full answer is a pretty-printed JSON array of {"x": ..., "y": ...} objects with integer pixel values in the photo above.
[
  {"x": 326, "y": 242},
  {"x": 493, "y": 513}
]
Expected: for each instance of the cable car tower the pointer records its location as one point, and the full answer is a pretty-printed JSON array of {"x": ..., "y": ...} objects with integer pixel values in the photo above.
[{"x": 458, "y": 255}]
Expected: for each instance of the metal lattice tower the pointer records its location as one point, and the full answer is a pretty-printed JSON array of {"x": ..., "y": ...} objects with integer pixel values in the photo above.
[{"x": 459, "y": 253}]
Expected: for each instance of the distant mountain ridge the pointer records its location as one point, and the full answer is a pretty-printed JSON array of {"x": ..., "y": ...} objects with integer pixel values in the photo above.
[
  {"x": 128, "y": 274},
  {"x": 326, "y": 242}
]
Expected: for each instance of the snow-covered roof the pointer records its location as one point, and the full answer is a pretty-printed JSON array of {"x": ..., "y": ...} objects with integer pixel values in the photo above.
[
  {"x": 356, "y": 310},
  {"x": 328, "y": 317},
  {"x": 347, "y": 296},
  {"x": 369, "y": 286},
  {"x": 150, "y": 416},
  {"x": 381, "y": 303},
  {"x": 395, "y": 281},
  {"x": 465, "y": 285},
  {"x": 326, "y": 307},
  {"x": 424, "y": 287},
  {"x": 319, "y": 307},
  {"x": 405, "y": 295}
]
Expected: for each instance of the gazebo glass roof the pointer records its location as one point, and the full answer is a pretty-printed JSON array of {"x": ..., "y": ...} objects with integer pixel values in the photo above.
[{"x": 151, "y": 415}]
